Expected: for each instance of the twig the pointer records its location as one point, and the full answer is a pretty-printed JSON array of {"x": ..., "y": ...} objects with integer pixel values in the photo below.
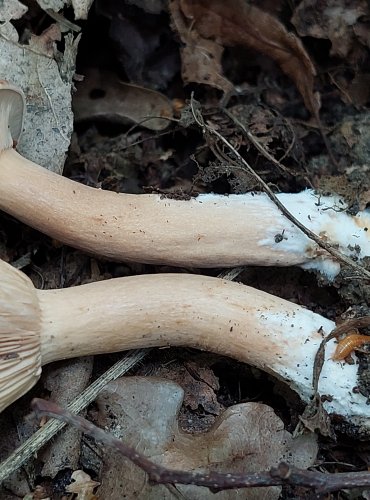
[
  {"x": 231, "y": 274},
  {"x": 215, "y": 481},
  {"x": 326, "y": 246},
  {"x": 256, "y": 143},
  {"x": 345, "y": 327},
  {"x": 25, "y": 451}
]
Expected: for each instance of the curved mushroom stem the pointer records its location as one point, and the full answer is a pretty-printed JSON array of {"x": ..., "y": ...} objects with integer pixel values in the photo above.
[
  {"x": 188, "y": 310},
  {"x": 207, "y": 231}
]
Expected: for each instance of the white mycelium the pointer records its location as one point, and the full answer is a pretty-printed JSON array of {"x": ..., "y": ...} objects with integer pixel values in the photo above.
[{"x": 274, "y": 234}]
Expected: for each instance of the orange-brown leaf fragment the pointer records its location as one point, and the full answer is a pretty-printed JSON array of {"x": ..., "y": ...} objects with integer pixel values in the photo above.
[
  {"x": 82, "y": 486},
  {"x": 235, "y": 23},
  {"x": 200, "y": 58},
  {"x": 335, "y": 20}
]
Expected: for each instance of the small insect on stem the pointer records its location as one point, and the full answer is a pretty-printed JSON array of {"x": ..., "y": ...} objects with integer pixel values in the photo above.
[{"x": 349, "y": 344}]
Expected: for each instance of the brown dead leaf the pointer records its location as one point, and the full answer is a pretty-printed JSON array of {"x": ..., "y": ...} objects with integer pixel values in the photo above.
[
  {"x": 349, "y": 133},
  {"x": 64, "y": 381},
  {"x": 143, "y": 412},
  {"x": 200, "y": 58},
  {"x": 45, "y": 43},
  {"x": 102, "y": 96},
  {"x": 39, "y": 493},
  {"x": 353, "y": 186},
  {"x": 200, "y": 385},
  {"x": 263, "y": 123},
  {"x": 333, "y": 20},
  {"x": 362, "y": 30},
  {"x": 359, "y": 89},
  {"x": 82, "y": 486},
  {"x": 237, "y": 23},
  {"x": 315, "y": 418}
]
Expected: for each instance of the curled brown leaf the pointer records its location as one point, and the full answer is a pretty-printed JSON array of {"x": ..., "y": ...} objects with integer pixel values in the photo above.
[
  {"x": 200, "y": 58},
  {"x": 235, "y": 23}
]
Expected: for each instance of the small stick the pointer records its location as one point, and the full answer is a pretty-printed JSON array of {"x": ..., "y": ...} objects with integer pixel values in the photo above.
[
  {"x": 256, "y": 142},
  {"x": 323, "y": 244},
  {"x": 32, "y": 445},
  {"x": 215, "y": 481},
  {"x": 48, "y": 431}
]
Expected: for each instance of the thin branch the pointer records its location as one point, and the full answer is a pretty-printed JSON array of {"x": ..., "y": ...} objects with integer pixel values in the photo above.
[
  {"x": 215, "y": 481},
  {"x": 256, "y": 143},
  {"x": 27, "y": 449},
  {"x": 342, "y": 329},
  {"x": 326, "y": 246}
]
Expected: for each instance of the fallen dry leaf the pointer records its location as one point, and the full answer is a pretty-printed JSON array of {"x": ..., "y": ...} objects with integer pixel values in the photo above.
[
  {"x": 333, "y": 20},
  {"x": 199, "y": 383},
  {"x": 11, "y": 9},
  {"x": 359, "y": 89},
  {"x": 83, "y": 486},
  {"x": 39, "y": 493},
  {"x": 47, "y": 84},
  {"x": 141, "y": 41},
  {"x": 245, "y": 438},
  {"x": 238, "y": 23},
  {"x": 101, "y": 96},
  {"x": 200, "y": 58},
  {"x": 65, "y": 381}
]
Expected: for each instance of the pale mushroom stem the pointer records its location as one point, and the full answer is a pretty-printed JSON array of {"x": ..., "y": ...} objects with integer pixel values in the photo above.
[
  {"x": 173, "y": 310},
  {"x": 207, "y": 231}
]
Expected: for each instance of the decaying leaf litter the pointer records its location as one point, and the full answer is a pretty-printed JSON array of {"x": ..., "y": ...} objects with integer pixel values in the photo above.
[{"x": 284, "y": 71}]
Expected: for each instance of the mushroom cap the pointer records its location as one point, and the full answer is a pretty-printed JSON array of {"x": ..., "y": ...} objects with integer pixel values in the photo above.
[
  {"x": 12, "y": 107},
  {"x": 20, "y": 359}
]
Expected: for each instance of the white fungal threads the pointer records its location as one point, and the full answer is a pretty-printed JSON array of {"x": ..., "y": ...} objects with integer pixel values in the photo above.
[
  {"x": 326, "y": 217},
  {"x": 295, "y": 354},
  {"x": 299, "y": 332},
  {"x": 249, "y": 229}
]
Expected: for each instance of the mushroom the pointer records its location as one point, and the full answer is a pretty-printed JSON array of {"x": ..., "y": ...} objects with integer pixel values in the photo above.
[
  {"x": 207, "y": 231},
  {"x": 277, "y": 336}
]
